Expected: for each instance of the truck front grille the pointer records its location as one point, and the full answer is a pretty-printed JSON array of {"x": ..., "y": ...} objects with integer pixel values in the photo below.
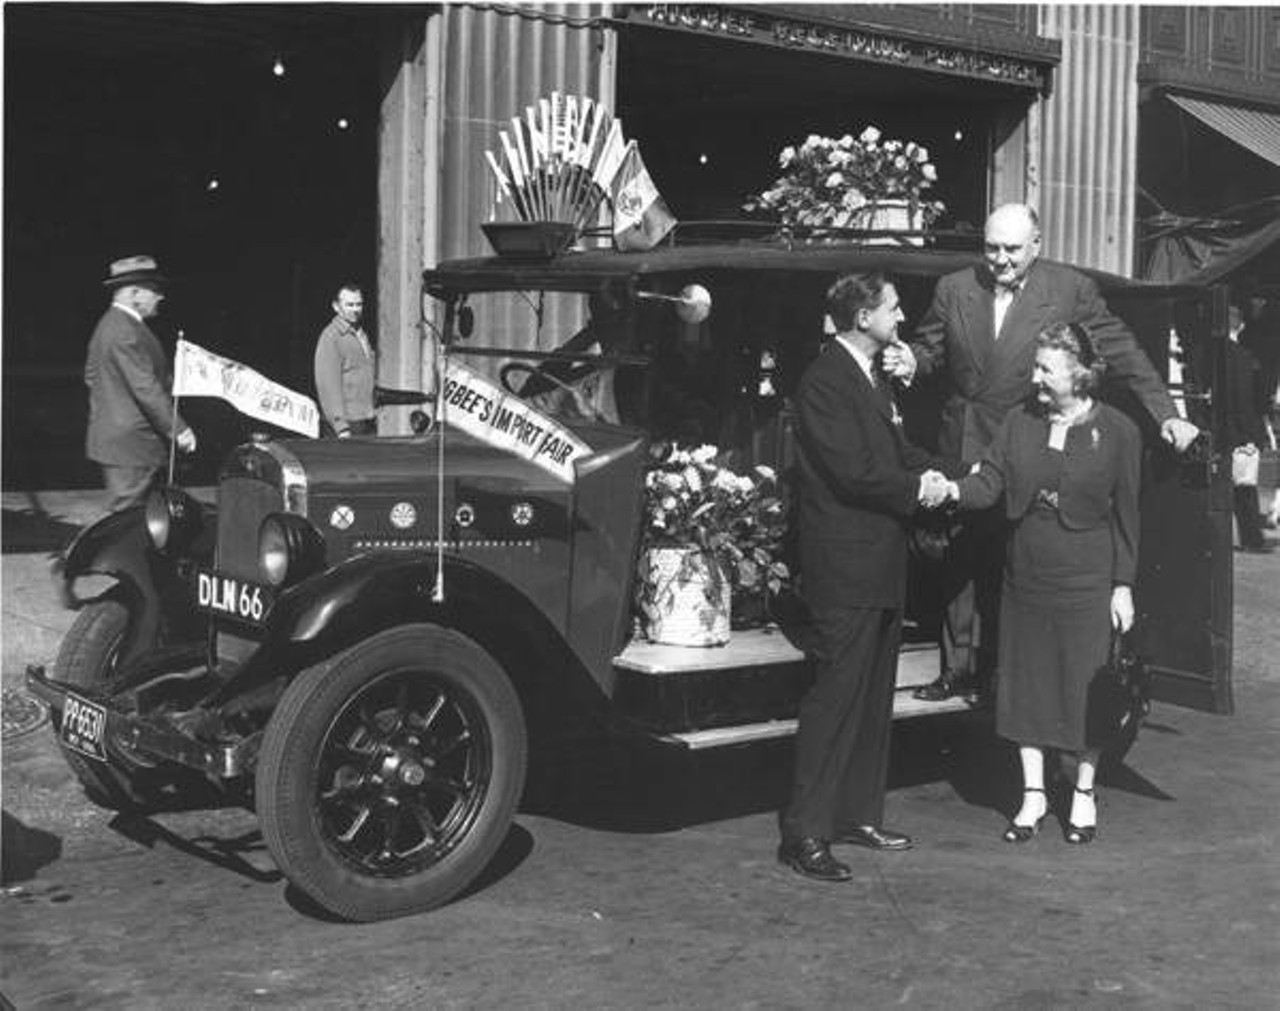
[{"x": 243, "y": 503}]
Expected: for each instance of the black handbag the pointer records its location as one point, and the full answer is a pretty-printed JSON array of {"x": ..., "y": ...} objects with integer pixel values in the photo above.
[{"x": 1117, "y": 699}]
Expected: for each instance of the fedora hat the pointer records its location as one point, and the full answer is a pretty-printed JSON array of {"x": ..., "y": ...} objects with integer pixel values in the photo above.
[{"x": 134, "y": 270}]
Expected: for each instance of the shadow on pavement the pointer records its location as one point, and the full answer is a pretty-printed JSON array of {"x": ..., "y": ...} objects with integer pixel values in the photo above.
[
  {"x": 30, "y": 530},
  {"x": 644, "y": 787},
  {"x": 228, "y": 853},
  {"x": 514, "y": 850},
  {"x": 638, "y": 786},
  {"x": 24, "y": 850}
]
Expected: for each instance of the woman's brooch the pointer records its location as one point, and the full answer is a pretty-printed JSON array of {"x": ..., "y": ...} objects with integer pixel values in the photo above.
[{"x": 1093, "y": 434}]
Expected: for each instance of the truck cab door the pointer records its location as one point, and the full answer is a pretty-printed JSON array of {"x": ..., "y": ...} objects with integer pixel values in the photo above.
[{"x": 1185, "y": 566}]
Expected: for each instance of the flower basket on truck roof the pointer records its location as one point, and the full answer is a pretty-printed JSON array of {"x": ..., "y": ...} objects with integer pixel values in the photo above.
[
  {"x": 869, "y": 183},
  {"x": 367, "y": 638}
]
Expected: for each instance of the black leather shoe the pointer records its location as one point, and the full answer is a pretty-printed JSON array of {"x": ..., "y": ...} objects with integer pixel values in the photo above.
[
  {"x": 813, "y": 859},
  {"x": 948, "y": 685},
  {"x": 875, "y": 838}
]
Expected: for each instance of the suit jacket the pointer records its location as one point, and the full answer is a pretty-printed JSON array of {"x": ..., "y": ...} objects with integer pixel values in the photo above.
[
  {"x": 989, "y": 377},
  {"x": 859, "y": 480},
  {"x": 1243, "y": 421},
  {"x": 131, "y": 415},
  {"x": 1101, "y": 468}
]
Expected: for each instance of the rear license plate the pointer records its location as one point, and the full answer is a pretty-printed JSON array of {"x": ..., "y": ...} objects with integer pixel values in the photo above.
[
  {"x": 83, "y": 725},
  {"x": 232, "y": 597}
]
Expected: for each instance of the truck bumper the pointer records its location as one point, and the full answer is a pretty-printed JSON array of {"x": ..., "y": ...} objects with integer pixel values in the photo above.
[{"x": 134, "y": 739}]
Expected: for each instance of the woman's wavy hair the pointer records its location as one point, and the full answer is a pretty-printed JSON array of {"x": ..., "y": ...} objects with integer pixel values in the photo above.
[{"x": 1074, "y": 339}]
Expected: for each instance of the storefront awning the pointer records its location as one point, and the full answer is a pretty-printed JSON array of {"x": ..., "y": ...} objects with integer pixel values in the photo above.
[{"x": 1250, "y": 128}]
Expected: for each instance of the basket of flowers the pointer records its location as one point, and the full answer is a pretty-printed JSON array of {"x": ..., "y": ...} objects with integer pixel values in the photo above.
[
  {"x": 866, "y": 182},
  {"x": 712, "y": 543}
]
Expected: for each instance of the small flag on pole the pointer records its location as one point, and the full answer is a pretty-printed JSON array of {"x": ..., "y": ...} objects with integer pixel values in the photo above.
[
  {"x": 640, "y": 215},
  {"x": 201, "y": 373},
  {"x": 564, "y": 158}
]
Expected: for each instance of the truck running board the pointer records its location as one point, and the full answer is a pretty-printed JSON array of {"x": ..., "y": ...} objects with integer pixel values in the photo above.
[
  {"x": 747, "y": 690},
  {"x": 904, "y": 706}
]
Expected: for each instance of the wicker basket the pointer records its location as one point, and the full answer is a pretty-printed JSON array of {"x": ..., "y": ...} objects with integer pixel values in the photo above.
[{"x": 686, "y": 598}]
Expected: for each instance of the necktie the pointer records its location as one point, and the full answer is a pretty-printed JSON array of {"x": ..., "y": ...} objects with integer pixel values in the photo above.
[{"x": 1004, "y": 299}]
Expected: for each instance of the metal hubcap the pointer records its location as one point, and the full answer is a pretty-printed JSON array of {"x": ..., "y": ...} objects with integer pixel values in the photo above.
[{"x": 402, "y": 773}]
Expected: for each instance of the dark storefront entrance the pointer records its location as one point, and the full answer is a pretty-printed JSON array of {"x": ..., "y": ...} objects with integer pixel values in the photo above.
[
  {"x": 712, "y": 110},
  {"x": 164, "y": 129}
]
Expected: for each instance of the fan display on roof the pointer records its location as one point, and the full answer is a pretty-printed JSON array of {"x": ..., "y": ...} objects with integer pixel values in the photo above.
[{"x": 564, "y": 158}]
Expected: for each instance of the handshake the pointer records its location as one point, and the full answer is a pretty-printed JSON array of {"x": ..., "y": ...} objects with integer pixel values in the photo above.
[{"x": 936, "y": 490}]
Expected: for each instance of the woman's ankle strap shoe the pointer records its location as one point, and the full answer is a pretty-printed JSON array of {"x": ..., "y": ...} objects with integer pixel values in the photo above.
[
  {"x": 1081, "y": 835},
  {"x": 1015, "y": 833}
]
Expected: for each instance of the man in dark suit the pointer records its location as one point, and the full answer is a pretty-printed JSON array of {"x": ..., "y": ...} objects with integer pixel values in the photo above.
[
  {"x": 980, "y": 332},
  {"x": 1245, "y": 431},
  {"x": 860, "y": 481},
  {"x": 131, "y": 413}
]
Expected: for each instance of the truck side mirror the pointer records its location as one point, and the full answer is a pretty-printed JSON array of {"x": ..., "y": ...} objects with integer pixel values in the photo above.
[{"x": 693, "y": 304}]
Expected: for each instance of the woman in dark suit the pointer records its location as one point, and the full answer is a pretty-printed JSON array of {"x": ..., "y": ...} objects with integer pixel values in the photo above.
[{"x": 1068, "y": 467}]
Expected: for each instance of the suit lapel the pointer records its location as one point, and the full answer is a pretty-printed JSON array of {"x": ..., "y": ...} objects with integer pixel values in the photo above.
[
  {"x": 876, "y": 396},
  {"x": 979, "y": 320}
]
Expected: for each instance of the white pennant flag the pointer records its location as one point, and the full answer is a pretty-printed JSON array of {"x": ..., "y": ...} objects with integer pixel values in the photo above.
[{"x": 201, "y": 373}]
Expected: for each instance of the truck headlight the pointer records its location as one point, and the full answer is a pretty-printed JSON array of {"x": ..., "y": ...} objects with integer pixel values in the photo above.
[
  {"x": 289, "y": 549},
  {"x": 174, "y": 519}
]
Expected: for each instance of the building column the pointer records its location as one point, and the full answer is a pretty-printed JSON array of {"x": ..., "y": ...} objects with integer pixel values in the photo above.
[
  {"x": 409, "y": 130},
  {"x": 1090, "y": 136}
]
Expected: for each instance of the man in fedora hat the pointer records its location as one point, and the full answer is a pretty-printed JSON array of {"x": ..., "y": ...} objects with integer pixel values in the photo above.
[{"x": 131, "y": 413}]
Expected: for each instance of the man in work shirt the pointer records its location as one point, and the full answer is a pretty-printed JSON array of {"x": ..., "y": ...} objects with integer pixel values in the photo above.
[{"x": 345, "y": 368}]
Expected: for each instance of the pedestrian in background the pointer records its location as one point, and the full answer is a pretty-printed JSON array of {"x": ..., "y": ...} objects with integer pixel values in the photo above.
[
  {"x": 980, "y": 331},
  {"x": 860, "y": 481},
  {"x": 1068, "y": 468},
  {"x": 1245, "y": 433},
  {"x": 132, "y": 417},
  {"x": 345, "y": 369}
]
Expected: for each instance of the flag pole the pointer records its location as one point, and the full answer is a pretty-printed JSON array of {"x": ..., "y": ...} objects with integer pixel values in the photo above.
[
  {"x": 441, "y": 364},
  {"x": 173, "y": 440}
]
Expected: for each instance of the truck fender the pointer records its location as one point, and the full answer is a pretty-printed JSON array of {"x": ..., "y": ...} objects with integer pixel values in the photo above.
[
  {"x": 115, "y": 557},
  {"x": 367, "y": 594},
  {"x": 116, "y": 549}
]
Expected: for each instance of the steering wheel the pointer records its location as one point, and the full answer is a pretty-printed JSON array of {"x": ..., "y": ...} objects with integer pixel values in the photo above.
[{"x": 542, "y": 380}]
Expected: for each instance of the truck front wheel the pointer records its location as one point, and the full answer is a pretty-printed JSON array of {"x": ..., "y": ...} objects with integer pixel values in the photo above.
[
  {"x": 88, "y": 658},
  {"x": 388, "y": 779}
]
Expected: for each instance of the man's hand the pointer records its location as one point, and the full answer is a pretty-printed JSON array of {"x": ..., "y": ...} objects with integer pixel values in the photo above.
[
  {"x": 899, "y": 361},
  {"x": 345, "y": 434},
  {"x": 1122, "y": 608},
  {"x": 186, "y": 440},
  {"x": 935, "y": 489},
  {"x": 1178, "y": 433}
]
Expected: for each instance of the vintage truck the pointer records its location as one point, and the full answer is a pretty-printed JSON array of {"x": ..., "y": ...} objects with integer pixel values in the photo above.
[{"x": 366, "y": 639}]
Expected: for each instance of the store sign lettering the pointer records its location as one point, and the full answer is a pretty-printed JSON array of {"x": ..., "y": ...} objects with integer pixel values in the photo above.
[
  {"x": 702, "y": 18},
  {"x": 863, "y": 45}
]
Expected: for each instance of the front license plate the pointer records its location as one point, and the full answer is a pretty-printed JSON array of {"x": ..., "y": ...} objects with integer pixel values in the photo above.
[
  {"x": 232, "y": 598},
  {"x": 83, "y": 725}
]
